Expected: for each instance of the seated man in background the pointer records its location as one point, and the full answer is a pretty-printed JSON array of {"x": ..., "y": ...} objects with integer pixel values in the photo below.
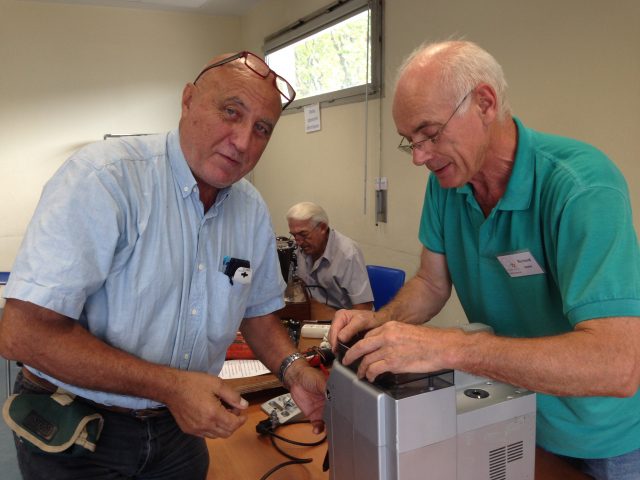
[{"x": 329, "y": 263}]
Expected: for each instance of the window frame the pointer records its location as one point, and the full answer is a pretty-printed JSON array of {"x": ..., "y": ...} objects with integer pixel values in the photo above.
[{"x": 322, "y": 19}]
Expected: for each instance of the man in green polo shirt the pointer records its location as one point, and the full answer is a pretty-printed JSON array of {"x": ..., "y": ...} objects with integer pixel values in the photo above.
[{"x": 536, "y": 234}]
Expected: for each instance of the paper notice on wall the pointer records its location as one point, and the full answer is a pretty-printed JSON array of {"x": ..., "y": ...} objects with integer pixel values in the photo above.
[{"x": 312, "y": 118}]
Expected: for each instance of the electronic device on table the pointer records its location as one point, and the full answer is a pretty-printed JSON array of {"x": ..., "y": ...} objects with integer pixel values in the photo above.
[
  {"x": 283, "y": 409},
  {"x": 445, "y": 425},
  {"x": 315, "y": 330}
]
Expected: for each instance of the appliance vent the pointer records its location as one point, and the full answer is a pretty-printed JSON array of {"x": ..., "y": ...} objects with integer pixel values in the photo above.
[
  {"x": 515, "y": 451},
  {"x": 498, "y": 464}
]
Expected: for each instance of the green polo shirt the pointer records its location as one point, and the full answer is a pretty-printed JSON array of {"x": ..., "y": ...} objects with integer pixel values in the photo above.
[{"x": 558, "y": 248}]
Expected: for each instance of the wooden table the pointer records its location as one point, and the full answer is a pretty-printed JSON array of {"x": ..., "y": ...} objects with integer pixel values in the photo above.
[
  {"x": 248, "y": 456},
  {"x": 320, "y": 311}
]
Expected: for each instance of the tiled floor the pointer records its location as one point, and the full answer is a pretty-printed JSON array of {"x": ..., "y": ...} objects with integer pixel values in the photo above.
[{"x": 8, "y": 463}]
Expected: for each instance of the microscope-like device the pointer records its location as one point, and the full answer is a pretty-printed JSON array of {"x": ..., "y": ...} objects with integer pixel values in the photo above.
[
  {"x": 445, "y": 425},
  {"x": 294, "y": 293}
]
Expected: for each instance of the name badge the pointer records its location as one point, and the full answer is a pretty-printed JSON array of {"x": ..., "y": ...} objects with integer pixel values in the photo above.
[{"x": 520, "y": 264}]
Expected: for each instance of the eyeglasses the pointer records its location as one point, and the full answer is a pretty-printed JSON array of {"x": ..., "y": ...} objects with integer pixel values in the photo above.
[
  {"x": 257, "y": 66},
  {"x": 302, "y": 236},
  {"x": 407, "y": 147}
]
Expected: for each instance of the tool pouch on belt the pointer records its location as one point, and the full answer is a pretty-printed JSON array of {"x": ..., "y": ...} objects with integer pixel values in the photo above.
[{"x": 53, "y": 423}]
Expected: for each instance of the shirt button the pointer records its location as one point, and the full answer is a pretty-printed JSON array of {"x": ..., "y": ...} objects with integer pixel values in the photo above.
[
  {"x": 194, "y": 311},
  {"x": 186, "y": 356},
  {"x": 186, "y": 189},
  {"x": 201, "y": 266}
]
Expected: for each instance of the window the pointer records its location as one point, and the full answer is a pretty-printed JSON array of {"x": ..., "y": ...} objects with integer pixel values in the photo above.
[{"x": 332, "y": 56}]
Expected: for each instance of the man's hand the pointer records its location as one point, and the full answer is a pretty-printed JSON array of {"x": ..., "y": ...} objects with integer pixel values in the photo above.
[
  {"x": 204, "y": 406},
  {"x": 401, "y": 348},
  {"x": 307, "y": 386},
  {"x": 347, "y": 323}
]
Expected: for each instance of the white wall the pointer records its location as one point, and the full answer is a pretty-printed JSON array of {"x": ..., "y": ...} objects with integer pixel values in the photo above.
[
  {"x": 70, "y": 74},
  {"x": 573, "y": 69}
]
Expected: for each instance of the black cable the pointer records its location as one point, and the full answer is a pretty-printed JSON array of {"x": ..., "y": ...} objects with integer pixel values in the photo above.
[
  {"x": 266, "y": 428},
  {"x": 326, "y": 294},
  {"x": 288, "y": 455},
  {"x": 279, "y": 466},
  {"x": 295, "y": 442}
]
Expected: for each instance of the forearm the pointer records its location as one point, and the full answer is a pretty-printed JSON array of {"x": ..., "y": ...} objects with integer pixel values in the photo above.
[
  {"x": 422, "y": 297},
  {"x": 580, "y": 363},
  {"x": 60, "y": 347},
  {"x": 418, "y": 301},
  {"x": 268, "y": 340}
]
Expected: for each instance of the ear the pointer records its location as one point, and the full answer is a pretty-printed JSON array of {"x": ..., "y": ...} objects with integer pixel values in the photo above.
[
  {"x": 487, "y": 101},
  {"x": 324, "y": 228},
  {"x": 187, "y": 97}
]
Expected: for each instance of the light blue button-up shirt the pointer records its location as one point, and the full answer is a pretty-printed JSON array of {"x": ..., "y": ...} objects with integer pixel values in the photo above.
[{"x": 120, "y": 241}]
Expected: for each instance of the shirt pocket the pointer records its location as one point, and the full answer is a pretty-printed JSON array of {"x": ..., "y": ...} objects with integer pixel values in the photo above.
[{"x": 227, "y": 304}]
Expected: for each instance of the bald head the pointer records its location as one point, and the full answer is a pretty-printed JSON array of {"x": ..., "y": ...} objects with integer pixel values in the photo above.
[
  {"x": 224, "y": 61},
  {"x": 454, "y": 68}
]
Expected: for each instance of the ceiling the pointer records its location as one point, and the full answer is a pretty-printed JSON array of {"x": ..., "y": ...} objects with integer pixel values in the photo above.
[{"x": 208, "y": 7}]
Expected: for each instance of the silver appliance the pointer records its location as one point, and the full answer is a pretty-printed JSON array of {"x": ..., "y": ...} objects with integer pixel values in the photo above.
[{"x": 443, "y": 426}]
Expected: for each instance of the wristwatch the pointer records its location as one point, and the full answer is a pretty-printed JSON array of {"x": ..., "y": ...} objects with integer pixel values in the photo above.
[{"x": 286, "y": 363}]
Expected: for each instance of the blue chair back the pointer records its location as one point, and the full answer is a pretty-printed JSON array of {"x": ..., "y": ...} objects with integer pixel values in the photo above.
[
  {"x": 385, "y": 283},
  {"x": 4, "y": 276}
]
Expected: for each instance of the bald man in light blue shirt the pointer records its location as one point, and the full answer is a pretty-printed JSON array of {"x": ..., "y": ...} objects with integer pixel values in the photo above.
[{"x": 144, "y": 258}]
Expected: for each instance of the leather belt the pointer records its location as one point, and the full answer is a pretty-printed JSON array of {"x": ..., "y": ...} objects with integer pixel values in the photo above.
[{"x": 140, "y": 414}]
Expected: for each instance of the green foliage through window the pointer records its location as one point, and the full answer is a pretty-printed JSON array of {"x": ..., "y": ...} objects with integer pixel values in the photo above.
[{"x": 332, "y": 58}]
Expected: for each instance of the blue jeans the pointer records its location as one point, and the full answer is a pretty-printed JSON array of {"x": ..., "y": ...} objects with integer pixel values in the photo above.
[
  {"x": 128, "y": 448},
  {"x": 622, "y": 467}
]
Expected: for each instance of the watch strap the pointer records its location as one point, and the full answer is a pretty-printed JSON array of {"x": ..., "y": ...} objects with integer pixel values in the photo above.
[{"x": 286, "y": 363}]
